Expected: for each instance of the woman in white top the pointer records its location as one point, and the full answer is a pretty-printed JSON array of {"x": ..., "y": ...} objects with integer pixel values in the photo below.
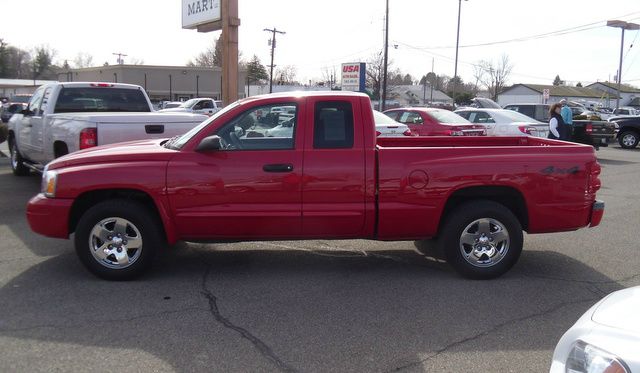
[{"x": 557, "y": 127}]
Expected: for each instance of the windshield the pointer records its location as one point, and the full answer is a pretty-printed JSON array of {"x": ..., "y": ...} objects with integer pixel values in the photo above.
[
  {"x": 514, "y": 116},
  {"x": 189, "y": 103},
  {"x": 101, "y": 99},
  {"x": 179, "y": 142},
  {"x": 446, "y": 116}
]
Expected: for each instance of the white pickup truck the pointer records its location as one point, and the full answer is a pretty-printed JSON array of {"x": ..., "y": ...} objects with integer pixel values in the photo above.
[
  {"x": 200, "y": 105},
  {"x": 62, "y": 118}
]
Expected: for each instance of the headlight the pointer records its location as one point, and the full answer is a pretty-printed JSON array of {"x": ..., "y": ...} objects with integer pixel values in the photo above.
[
  {"x": 49, "y": 181},
  {"x": 585, "y": 358}
]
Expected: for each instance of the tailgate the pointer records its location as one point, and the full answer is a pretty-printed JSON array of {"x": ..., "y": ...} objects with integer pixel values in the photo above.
[{"x": 113, "y": 132}]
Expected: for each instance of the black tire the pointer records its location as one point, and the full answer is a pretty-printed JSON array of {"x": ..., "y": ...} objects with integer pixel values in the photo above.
[
  {"x": 17, "y": 162},
  {"x": 491, "y": 255},
  {"x": 140, "y": 226},
  {"x": 628, "y": 139}
]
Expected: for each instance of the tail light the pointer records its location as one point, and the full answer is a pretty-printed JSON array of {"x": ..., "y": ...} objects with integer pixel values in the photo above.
[
  {"x": 407, "y": 132},
  {"x": 527, "y": 129},
  {"x": 88, "y": 138},
  {"x": 594, "y": 180},
  {"x": 378, "y": 133},
  {"x": 588, "y": 128},
  {"x": 101, "y": 85}
]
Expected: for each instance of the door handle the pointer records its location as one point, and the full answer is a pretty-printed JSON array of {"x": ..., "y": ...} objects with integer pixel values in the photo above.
[
  {"x": 284, "y": 167},
  {"x": 154, "y": 128}
]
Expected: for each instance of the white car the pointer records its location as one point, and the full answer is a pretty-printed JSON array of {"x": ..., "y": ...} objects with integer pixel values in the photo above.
[
  {"x": 504, "y": 122},
  {"x": 387, "y": 127},
  {"x": 605, "y": 339}
]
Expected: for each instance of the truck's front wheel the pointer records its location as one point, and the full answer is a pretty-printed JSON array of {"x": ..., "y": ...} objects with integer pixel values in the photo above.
[
  {"x": 481, "y": 239},
  {"x": 117, "y": 239}
]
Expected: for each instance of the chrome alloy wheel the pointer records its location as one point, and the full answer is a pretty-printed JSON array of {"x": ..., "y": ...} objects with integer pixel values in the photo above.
[
  {"x": 484, "y": 242},
  {"x": 628, "y": 140},
  {"x": 115, "y": 243}
]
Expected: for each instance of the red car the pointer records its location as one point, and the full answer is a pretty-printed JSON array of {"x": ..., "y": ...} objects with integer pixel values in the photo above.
[{"x": 435, "y": 122}]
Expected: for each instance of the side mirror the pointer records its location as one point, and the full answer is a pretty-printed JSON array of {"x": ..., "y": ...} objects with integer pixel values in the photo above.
[{"x": 209, "y": 143}]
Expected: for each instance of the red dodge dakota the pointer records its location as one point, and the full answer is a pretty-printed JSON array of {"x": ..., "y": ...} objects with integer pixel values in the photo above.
[{"x": 308, "y": 166}]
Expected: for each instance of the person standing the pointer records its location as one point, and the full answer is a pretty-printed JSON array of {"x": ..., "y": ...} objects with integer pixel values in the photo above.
[
  {"x": 567, "y": 116},
  {"x": 557, "y": 126}
]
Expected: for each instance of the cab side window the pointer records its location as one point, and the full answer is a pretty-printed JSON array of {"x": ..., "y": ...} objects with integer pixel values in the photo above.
[
  {"x": 333, "y": 125},
  {"x": 260, "y": 128},
  {"x": 36, "y": 100}
]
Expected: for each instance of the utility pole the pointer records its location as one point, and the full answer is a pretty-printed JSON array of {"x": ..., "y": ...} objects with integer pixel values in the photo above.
[
  {"x": 120, "y": 55},
  {"x": 273, "y": 32},
  {"x": 386, "y": 57},
  {"x": 455, "y": 69}
]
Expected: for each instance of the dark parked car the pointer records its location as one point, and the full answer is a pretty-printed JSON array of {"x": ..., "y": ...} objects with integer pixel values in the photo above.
[
  {"x": 628, "y": 131},
  {"x": 536, "y": 111}
]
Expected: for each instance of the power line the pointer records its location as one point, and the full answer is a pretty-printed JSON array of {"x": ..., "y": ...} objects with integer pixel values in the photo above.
[
  {"x": 272, "y": 42},
  {"x": 574, "y": 29}
]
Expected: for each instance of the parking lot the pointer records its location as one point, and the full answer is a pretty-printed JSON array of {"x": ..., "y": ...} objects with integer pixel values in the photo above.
[{"x": 309, "y": 306}]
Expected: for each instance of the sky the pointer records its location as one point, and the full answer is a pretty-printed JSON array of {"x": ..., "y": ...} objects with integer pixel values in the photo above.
[{"x": 545, "y": 38}]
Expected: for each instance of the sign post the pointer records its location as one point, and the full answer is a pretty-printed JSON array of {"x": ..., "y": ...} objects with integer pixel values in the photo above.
[
  {"x": 213, "y": 15},
  {"x": 545, "y": 95}
]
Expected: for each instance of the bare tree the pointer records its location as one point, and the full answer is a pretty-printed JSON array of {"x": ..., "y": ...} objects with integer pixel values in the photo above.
[
  {"x": 285, "y": 75},
  {"x": 136, "y": 61},
  {"x": 83, "y": 60},
  {"x": 496, "y": 75},
  {"x": 211, "y": 57}
]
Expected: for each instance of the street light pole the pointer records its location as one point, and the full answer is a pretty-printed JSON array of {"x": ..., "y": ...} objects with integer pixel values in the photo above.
[
  {"x": 455, "y": 69},
  {"x": 624, "y": 26}
]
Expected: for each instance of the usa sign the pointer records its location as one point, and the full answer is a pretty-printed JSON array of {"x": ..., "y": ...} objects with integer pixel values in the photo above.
[{"x": 353, "y": 76}]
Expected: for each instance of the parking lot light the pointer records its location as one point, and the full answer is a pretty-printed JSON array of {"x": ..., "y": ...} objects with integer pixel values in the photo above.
[{"x": 624, "y": 26}]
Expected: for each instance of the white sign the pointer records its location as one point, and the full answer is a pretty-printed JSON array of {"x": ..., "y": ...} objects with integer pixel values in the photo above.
[
  {"x": 199, "y": 12},
  {"x": 545, "y": 93},
  {"x": 353, "y": 75}
]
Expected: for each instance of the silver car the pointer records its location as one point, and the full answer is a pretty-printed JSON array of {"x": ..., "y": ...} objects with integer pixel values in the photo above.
[
  {"x": 503, "y": 122},
  {"x": 605, "y": 339},
  {"x": 387, "y": 127}
]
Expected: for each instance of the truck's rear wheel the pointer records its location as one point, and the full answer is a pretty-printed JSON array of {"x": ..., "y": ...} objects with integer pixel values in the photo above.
[
  {"x": 481, "y": 239},
  {"x": 628, "y": 139},
  {"x": 17, "y": 163},
  {"x": 117, "y": 239}
]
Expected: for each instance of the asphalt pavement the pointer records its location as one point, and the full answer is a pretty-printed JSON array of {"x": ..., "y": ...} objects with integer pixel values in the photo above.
[{"x": 307, "y": 306}]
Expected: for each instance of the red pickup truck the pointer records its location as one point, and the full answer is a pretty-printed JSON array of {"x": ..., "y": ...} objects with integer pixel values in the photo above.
[{"x": 325, "y": 175}]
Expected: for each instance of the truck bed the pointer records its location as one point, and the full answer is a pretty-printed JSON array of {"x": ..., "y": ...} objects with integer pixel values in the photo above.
[{"x": 417, "y": 175}]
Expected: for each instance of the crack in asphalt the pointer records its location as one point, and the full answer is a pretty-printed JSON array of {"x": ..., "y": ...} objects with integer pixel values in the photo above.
[
  {"x": 103, "y": 321},
  {"x": 488, "y": 332},
  {"x": 255, "y": 341}
]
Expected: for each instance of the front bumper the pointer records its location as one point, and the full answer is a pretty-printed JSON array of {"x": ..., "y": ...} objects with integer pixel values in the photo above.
[{"x": 49, "y": 216}]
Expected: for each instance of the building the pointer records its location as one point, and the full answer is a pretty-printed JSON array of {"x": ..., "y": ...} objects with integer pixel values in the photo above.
[
  {"x": 418, "y": 95},
  {"x": 11, "y": 87},
  {"x": 534, "y": 94},
  {"x": 629, "y": 96},
  {"x": 162, "y": 83}
]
